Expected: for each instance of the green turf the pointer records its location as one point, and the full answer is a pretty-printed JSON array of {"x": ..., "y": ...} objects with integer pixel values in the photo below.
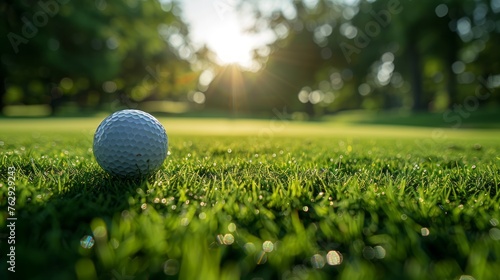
[{"x": 256, "y": 200}]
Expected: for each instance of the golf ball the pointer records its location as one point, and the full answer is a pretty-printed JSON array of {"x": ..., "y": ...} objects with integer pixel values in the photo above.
[{"x": 130, "y": 143}]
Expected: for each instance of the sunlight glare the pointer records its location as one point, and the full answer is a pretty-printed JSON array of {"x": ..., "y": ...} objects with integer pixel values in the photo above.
[
  {"x": 232, "y": 46},
  {"x": 223, "y": 32}
]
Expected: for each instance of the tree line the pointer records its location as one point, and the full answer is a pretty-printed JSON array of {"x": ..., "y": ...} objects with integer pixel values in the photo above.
[{"x": 329, "y": 55}]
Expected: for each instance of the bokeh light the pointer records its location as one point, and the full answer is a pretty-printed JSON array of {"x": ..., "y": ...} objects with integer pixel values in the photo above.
[
  {"x": 87, "y": 242},
  {"x": 334, "y": 258}
]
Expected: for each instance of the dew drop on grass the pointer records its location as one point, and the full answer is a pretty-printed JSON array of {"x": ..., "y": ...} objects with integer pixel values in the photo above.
[
  {"x": 87, "y": 242},
  {"x": 144, "y": 206},
  {"x": 425, "y": 231},
  {"x": 267, "y": 246},
  {"x": 317, "y": 261},
  {"x": 100, "y": 232},
  {"x": 171, "y": 267},
  {"x": 495, "y": 234},
  {"x": 305, "y": 208},
  {"x": 379, "y": 252},
  {"x": 368, "y": 253},
  {"x": 334, "y": 258},
  {"x": 231, "y": 227},
  {"x": 494, "y": 222},
  {"x": 228, "y": 239}
]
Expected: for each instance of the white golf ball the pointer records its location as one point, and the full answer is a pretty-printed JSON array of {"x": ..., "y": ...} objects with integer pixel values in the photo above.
[{"x": 130, "y": 143}]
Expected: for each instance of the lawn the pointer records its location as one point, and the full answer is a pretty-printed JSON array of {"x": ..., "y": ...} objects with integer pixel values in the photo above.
[{"x": 266, "y": 199}]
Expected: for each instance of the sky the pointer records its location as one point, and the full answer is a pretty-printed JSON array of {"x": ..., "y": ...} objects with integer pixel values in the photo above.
[{"x": 217, "y": 24}]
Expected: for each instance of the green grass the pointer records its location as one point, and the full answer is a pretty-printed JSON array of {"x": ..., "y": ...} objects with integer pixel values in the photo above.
[
  {"x": 394, "y": 202},
  {"x": 484, "y": 119}
]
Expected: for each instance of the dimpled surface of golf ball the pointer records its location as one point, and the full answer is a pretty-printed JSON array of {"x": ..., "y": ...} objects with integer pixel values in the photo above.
[{"x": 130, "y": 143}]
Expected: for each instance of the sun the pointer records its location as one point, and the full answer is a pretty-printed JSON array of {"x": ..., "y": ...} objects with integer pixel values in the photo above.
[
  {"x": 221, "y": 28},
  {"x": 231, "y": 46}
]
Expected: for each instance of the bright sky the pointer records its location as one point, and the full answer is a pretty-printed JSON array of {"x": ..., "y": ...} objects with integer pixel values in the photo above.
[{"x": 217, "y": 24}]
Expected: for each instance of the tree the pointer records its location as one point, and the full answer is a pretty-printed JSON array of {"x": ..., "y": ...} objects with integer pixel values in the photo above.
[
  {"x": 296, "y": 59},
  {"x": 93, "y": 53},
  {"x": 393, "y": 49}
]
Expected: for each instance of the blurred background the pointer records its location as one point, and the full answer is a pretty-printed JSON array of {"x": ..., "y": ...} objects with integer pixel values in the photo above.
[{"x": 301, "y": 59}]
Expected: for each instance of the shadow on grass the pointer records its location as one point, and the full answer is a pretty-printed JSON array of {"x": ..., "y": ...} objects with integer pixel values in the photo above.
[{"x": 49, "y": 231}]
